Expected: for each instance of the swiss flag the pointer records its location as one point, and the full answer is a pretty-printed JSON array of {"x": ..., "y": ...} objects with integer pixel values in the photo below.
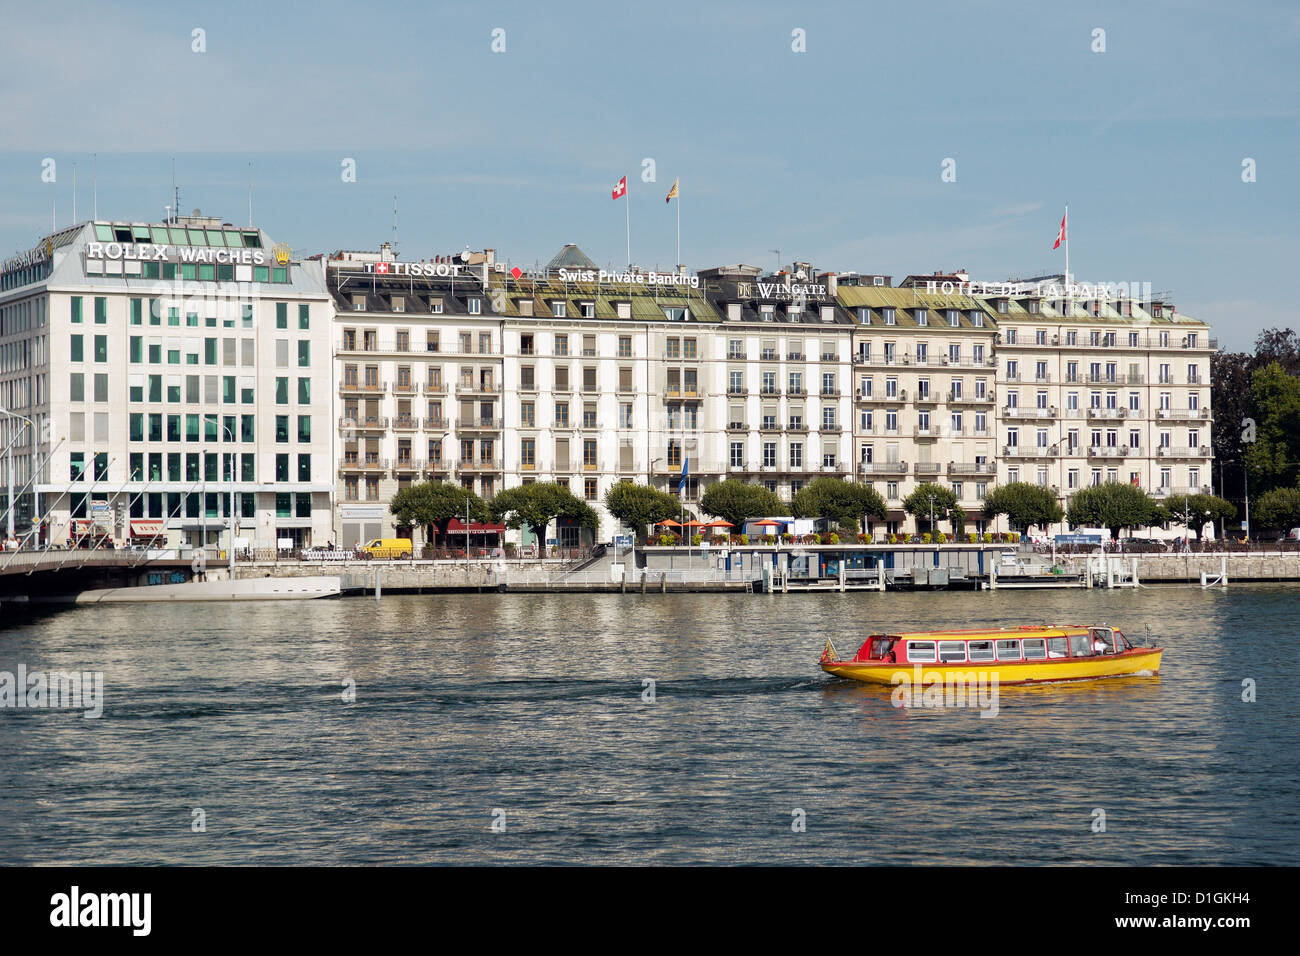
[
  {"x": 381, "y": 267},
  {"x": 1060, "y": 236},
  {"x": 620, "y": 190}
]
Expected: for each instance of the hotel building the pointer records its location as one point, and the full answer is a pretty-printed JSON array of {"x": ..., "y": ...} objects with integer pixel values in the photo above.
[
  {"x": 166, "y": 365},
  {"x": 1098, "y": 389}
]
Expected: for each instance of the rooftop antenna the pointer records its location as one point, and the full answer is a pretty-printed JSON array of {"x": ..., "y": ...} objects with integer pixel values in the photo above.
[
  {"x": 176, "y": 194},
  {"x": 250, "y": 194},
  {"x": 778, "y": 258},
  {"x": 74, "y": 192},
  {"x": 394, "y": 227},
  {"x": 94, "y": 184}
]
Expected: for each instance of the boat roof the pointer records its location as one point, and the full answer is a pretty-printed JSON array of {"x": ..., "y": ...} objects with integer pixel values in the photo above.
[{"x": 986, "y": 633}]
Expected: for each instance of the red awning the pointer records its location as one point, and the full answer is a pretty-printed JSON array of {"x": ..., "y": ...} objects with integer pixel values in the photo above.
[
  {"x": 458, "y": 527},
  {"x": 146, "y": 529}
]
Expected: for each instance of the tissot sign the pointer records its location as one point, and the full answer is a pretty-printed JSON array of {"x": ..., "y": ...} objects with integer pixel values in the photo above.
[
  {"x": 429, "y": 269},
  {"x": 159, "y": 252}
]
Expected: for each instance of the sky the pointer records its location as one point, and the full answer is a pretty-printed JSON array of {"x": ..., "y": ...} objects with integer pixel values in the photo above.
[{"x": 833, "y": 154}]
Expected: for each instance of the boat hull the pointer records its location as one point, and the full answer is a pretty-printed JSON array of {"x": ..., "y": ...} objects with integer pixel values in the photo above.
[{"x": 1140, "y": 661}]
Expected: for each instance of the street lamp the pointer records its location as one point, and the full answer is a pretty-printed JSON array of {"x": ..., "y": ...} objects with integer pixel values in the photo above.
[
  {"x": 9, "y": 469},
  {"x": 931, "y": 497}
]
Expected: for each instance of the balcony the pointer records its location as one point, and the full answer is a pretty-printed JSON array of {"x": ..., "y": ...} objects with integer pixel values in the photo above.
[
  {"x": 1183, "y": 451},
  {"x": 737, "y": 357},
  {"x": 795, "y": 357},
  {"x": 437, "y": 467},
  {"x": 369, "y": 465},
  {"x": 406, "y": 388},
  {"x": 1184, "y": 414},
  {"x": 1030, "y": 413},
  {"x": 972, "y": 468},
  {"x": 930, "y": 432},
  {"x": 405, "y": 423},
  {"x": 737, "y": 390},
  {"x": 1029, "y": 451},
  {"x": 469, "y": 465},
  {"x": 1107, "y": 379},
  {"x": 830, "y": 357},
  {"x": 369, "y": 389},
  {"x": 835, "y": 468},
  {"x": 770, "y": 390},
  {"x": 436, "y": 424},
  {"x": 479, "y": 388},
  {"x": 683, "y": 394},
  {"x": 795, "y": 391},
  {"x": 408, "y": 466},
  {"x": 799, "y": 426},
  {"x": 882, "y": 468},
  {"x": 737, "y": 427},
  {"x": 928, "y": 468},
  {"x": 1104, "y": 414},
  {"x": 833, "y": 428},
  {"x": 366, "y": 423},
  {"x": 480, "y": 424},
  {"x": 1108, "y": 451},
  {"x": 830, "y": 393},
  {"x": 435, "y": 388}
]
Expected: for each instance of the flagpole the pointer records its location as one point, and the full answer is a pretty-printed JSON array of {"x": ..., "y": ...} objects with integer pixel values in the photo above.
[
  {"x": 627, "y": 211},
  {"x": 1067, "y": 252},
  {"x": 679, "y": 224}
]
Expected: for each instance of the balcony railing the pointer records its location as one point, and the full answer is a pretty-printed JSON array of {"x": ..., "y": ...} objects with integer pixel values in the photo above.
[
  {"x": 882, "y": 468},
  {"x": 972, "y": 468},
  {"x": 480, "y": 424},
  {"x": 478, "y": 388},
  {"x": 1108, "y": 413},
  {"x": 406, "y": 388},
  {"x": 409, "y": 464},
  {"x": 928, "y": 468},
  {"x": 364, "y": 388},
  {"x": 405, "y": 423},
  {"x": 467, "y": 464}
]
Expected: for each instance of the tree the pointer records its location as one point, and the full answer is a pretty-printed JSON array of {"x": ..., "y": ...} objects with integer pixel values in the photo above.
[
  {"x": 1234, "y": 405},
  {"x": 436, "y": 503},
  {"x": 843, "y": 502},
  {"x": 1024, "y": 504},
  {"x": 1113, "y": 505},
  {"x": 640, "y": 505},
  {"x": 1278, "y": 509},
  {"x": 537, "y": 504},
  {"x": 738, "y": 501},
  {"x": 918, "y": 504},
  {"x": 1197, "y": 509},
  {"x": 1274, "y": 456}
]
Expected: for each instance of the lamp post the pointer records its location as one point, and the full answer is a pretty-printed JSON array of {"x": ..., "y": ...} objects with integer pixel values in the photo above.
[
  {"x": 931, "y": 497},
  {"x": 230, "y": 553},
  {"x": 9, "y": 470}
]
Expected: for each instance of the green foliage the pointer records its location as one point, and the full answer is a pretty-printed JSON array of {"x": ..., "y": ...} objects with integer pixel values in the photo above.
[
  {"x": 917, "y": 504},
  {"x": 1024, "y": 504},
  {"x": 843, "y": 502},
  {"x": 738, "y": 501},
  {"x": 1274, "y": 456},
  {"x": 1278, "y": 509},
  {"x": 436, "y": 503},
  {"x": 1177, "y": 507},
  {"x": 640, "y": 505},
  {"x": 537, "y": 504},
  {"x": 1113, "y": 505}
]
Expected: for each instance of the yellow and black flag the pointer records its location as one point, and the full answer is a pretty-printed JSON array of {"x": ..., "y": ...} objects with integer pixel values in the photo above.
[{"x": 672, "y": 193}]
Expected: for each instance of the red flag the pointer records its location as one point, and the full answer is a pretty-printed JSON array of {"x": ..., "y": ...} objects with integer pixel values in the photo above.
[
  {"x": 620, "y": 190},
  {"x": 1060, "y": 236}
]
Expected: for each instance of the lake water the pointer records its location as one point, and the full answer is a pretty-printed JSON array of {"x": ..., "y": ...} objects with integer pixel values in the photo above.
[{"x": 528, "y": 710}]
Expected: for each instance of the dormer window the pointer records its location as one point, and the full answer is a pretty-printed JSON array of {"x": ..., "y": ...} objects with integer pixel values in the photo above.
[
  {"x": 922, "y": 317},
  {"x": 399, "y": 304},
  {"x": 588, "y": 309},
  {"x": 864, "y": 316},
  {"x": 475, "y": 306},
  {"x": 1003, "y": 306},
  {"x": 1033, "y": 306},
  {"x": 888, "y": 315},
  {"x": 435, "y": 306},
  {"x": 559, "y": 308},
  {"x": 977, "y": 319}
]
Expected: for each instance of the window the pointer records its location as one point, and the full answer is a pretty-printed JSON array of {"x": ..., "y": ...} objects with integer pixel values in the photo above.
[
  {"x": 475, "y": 306},
  {"x": 921, "y": 652}
]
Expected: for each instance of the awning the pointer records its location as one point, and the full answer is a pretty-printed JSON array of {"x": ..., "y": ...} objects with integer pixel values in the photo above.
[
  {"x": 146, "y": 529},
  {"x": 458, "y": 527}
]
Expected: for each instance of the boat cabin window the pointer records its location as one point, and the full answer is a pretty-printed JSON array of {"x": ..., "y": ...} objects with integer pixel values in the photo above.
[
  {"x": 980, "y": 650},
  {"x": 951, "y": 652},
  {"x": 1057, "y": 647},
  {"x": 1008, "y": 650},
  {"x": 1035, "y": 649},
  {"x": 1103, "y": 642},
  {"x": 880, "y": 647},
  {"x": 1080, "y": 645},
  {"x": 920, "y": 652}
]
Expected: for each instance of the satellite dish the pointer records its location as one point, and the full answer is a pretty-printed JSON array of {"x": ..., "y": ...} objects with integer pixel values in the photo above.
[
  {"x": 464, "y": 256},
  {"x": 801, "y": 274}
]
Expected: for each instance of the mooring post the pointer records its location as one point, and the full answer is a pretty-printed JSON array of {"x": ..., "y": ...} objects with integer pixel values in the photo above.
[
  {"x": 377, "y": 585},
  {"x": 1135, "y": 571},
  {"x": 1223, "y": 571}
]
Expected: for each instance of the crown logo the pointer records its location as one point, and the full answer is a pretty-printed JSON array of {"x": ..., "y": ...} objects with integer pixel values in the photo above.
[{"x": 282, "y": 253}]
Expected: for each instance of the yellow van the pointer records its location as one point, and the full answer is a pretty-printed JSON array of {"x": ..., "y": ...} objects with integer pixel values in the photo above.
[{"x": 388, "y": 548}]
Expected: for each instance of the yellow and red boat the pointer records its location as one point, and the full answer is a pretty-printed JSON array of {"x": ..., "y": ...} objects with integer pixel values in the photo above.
[{"x": 1022, "y": 655}]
